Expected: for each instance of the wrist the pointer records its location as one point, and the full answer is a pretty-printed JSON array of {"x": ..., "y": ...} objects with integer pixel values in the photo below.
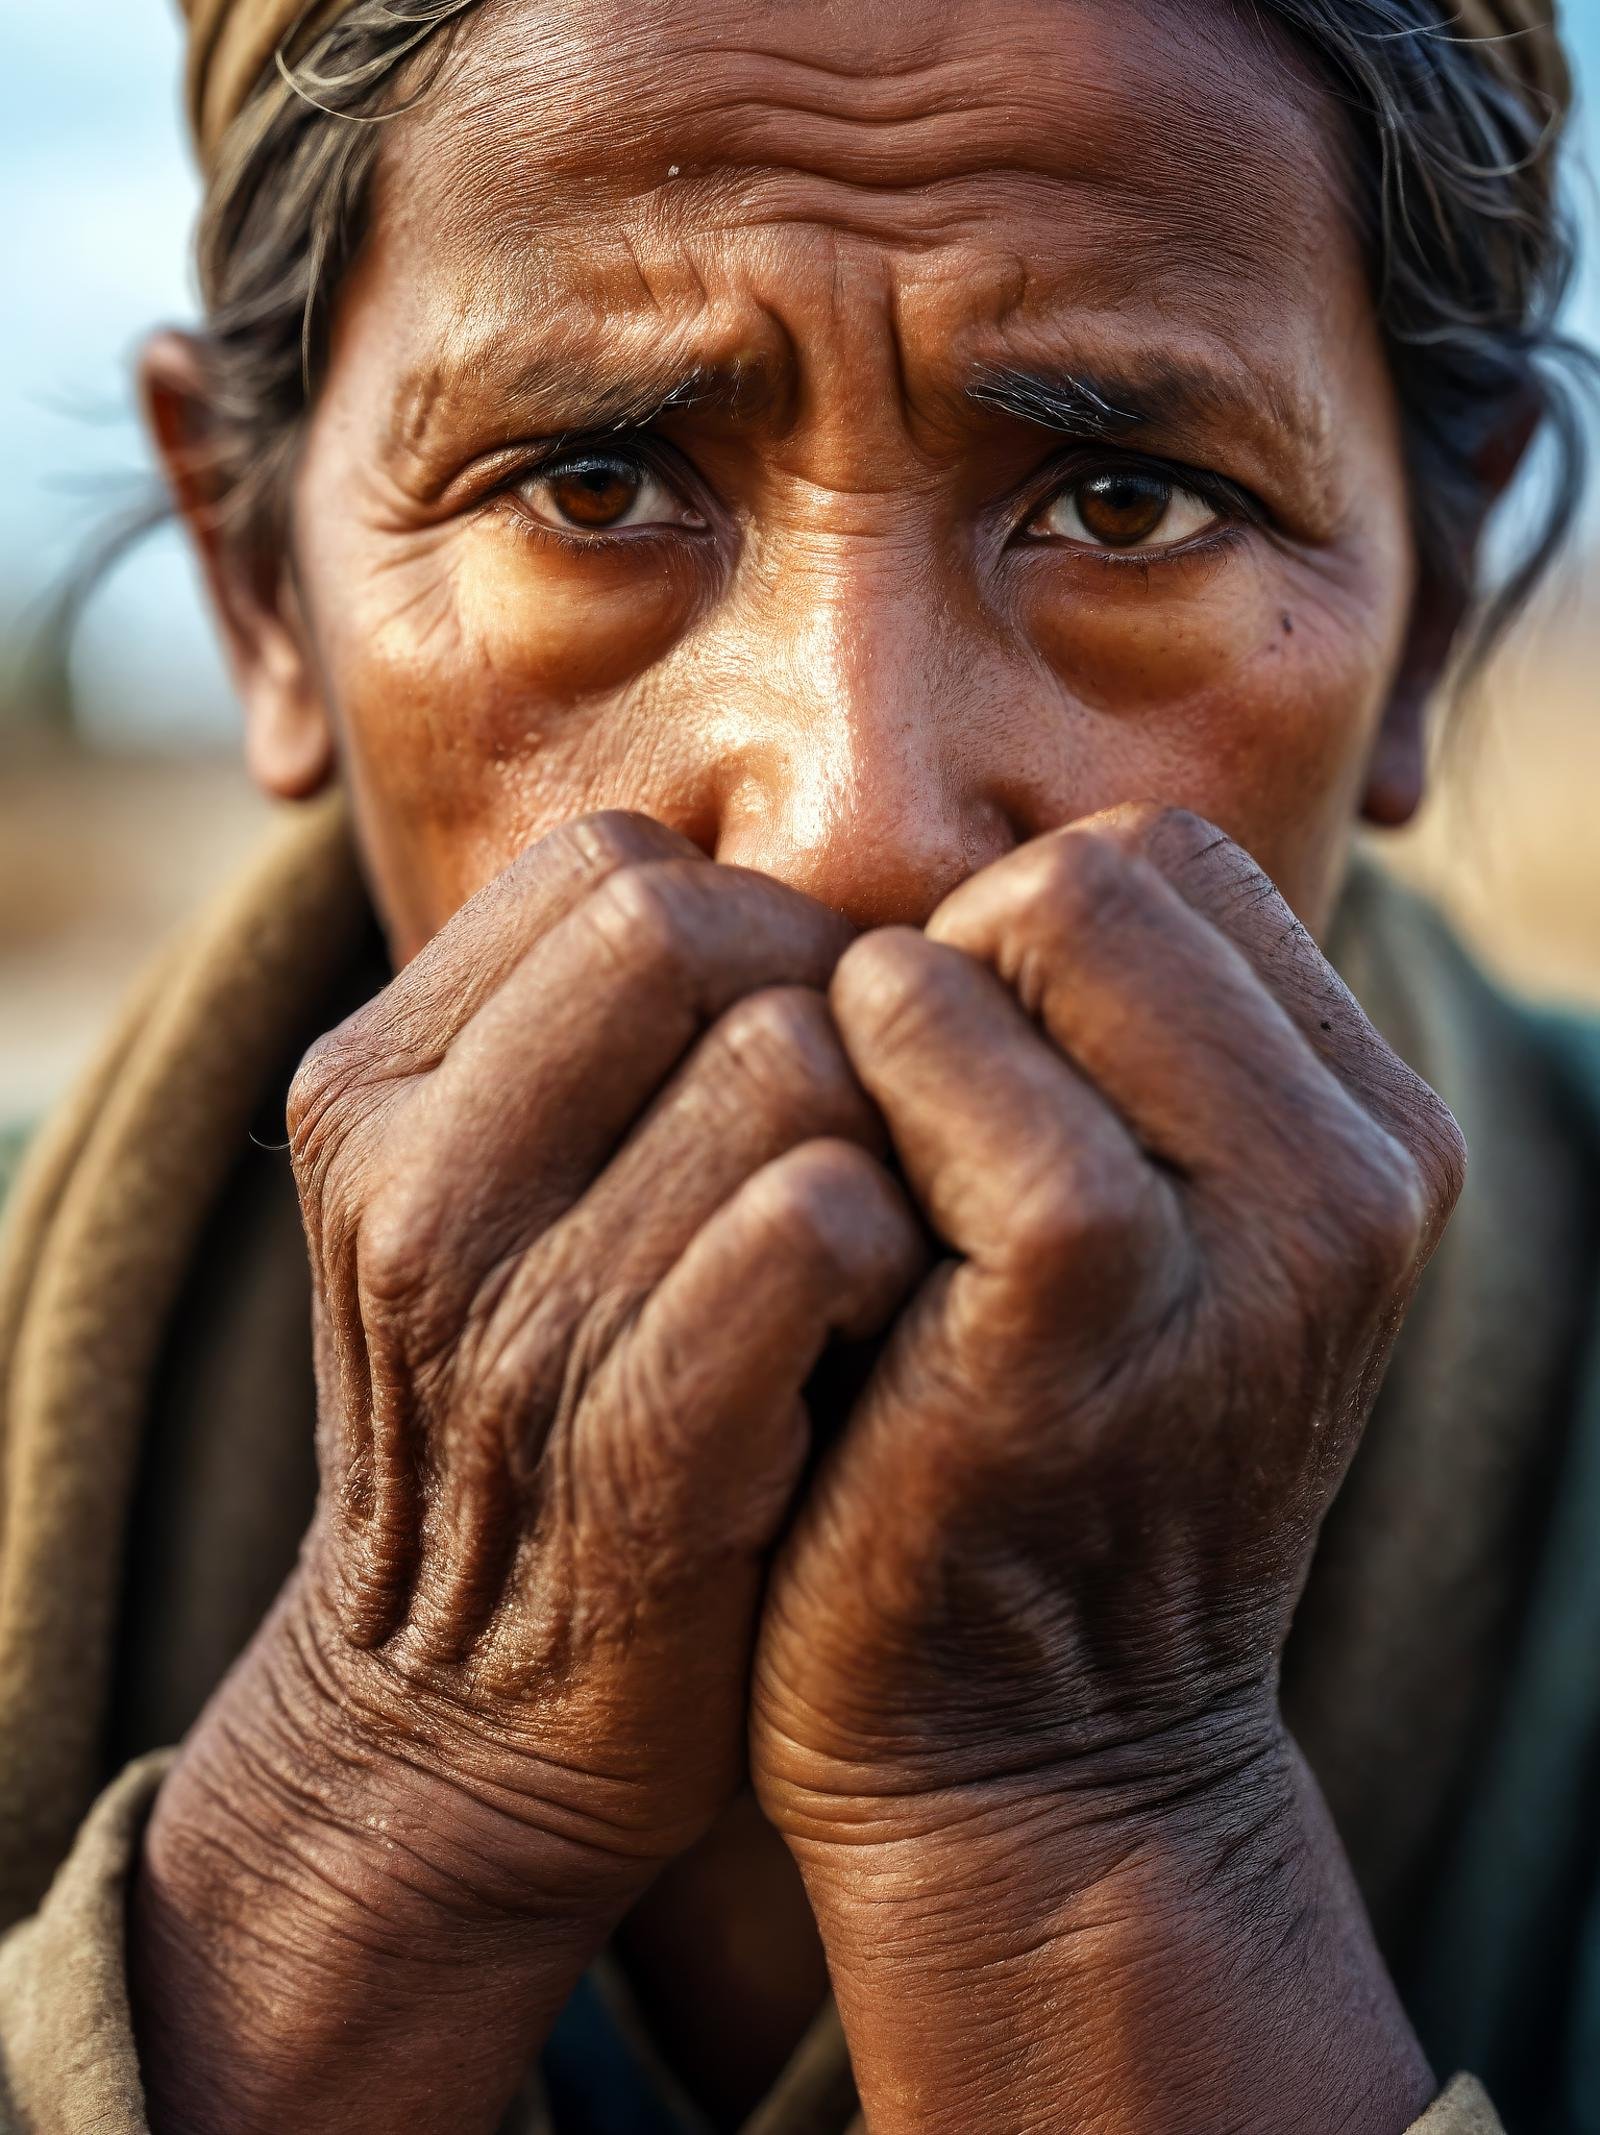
[
  {"x": 323, "y": 1931},
  {"x": 1019, "y": 1857},
  {"x": 1159, "y": 1952}
]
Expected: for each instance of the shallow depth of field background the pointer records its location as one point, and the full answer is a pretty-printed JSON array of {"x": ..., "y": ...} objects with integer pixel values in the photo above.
[{"x": 121, "y": 796}]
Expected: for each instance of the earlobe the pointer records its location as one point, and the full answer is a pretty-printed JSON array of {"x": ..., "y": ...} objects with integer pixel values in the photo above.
[
  {"x": 1397, "y": 768},
  {"x": 289, "y": 741}
]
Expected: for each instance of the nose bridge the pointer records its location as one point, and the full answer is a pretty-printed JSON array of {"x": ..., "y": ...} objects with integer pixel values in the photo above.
[{"x": 854, "y": 777}]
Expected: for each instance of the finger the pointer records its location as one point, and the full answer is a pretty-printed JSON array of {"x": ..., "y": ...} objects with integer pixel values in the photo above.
[
  {"x": 407, "y": 1028},
  {"x": 415, "y": 1017},
  {"x": 499, "y": 1142},
  {"x": 1226, "y": 886},
  {"x": 1169, "y": 1019},
  {"x": 1020, "y": 1164},
  {"x": 700, "y": 1402},
  {"x": 541, "y": 1086},
  {"x": 769, "y": 1075}
]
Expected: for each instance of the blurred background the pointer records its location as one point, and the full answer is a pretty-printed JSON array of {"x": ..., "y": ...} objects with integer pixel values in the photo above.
[{"x": 121, "y": 796}]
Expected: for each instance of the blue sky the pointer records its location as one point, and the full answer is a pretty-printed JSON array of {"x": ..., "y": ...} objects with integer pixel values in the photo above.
[{"x": 99, "y": 195}]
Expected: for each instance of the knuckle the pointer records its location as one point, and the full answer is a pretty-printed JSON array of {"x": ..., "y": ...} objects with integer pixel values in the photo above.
[
  {"x": 1444, "y": 1151},
  {"x": 613, "y": 838},
  {"x": 1081, "y": 1215},
  {"x": 887, "y": 981},
  {"x": 1423, "y": 1125},
  {"x": 1168, "y": 838},
  {"x": 326, "y": 1069},
  {"x": 589, "y": 846},
  {"x": 1383, "y": 1220},
  {"x": 803, "y": 1197},
  {"x": 782, "y": 1028},
  {"x": 333, "y": 1093},
  {"x": 1177, "y": 841},
  {"x": 395, "y": 1244},
  {"x": 1178, "y": 837},
  {"x": 781, "y": 1043},
  {"x": 646, "y": 914},
  {"x": 1083, "y": 881},
  {"x": 1200, "y": 860}
]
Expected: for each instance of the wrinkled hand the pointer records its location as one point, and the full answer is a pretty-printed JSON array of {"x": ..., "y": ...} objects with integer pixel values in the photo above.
[
  {"x": 1186, "y": 1191},
  {"x": 586, "y": 1190}
]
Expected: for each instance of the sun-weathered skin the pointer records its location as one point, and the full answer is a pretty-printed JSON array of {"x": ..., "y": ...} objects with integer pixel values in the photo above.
[{"x": 231, "y": 41}]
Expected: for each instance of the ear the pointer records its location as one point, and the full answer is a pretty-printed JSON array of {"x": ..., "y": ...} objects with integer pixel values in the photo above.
[
  {"x": 289, "y": 735},
  {"x": 1397, "y": 769}
]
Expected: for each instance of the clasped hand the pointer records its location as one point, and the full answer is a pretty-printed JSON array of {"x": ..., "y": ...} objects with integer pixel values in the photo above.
[{"x": 1105, "y": 1156}]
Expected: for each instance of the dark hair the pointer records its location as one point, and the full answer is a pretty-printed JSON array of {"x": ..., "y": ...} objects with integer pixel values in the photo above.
[{"x": 1451, "y": 174}]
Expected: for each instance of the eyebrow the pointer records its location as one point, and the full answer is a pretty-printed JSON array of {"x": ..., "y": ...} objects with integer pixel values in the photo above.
[
  {"x": 1163, "y": 395},
  {"x": 560, "y": 395},
  {"x": 1187, "y": 402},
  {"x": 1066, "y": 401},
  {"x": 568, "y": 397}
]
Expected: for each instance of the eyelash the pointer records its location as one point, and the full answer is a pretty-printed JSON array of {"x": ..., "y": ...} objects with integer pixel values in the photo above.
[
  {"x": 643, "y": 449},
  {"x": 1237, "y": 508}
]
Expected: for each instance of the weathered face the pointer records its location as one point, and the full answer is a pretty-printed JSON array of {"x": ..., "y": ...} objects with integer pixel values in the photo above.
[{"x": 863, "y": 438}]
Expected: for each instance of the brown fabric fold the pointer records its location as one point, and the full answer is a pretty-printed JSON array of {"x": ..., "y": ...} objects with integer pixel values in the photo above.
[
  {"x": 232, "y": 43},
  {"x": 68, "y": 2065},
  {"x": 97, "y": 1242},
  {"x": 1463, "y": 2110}
]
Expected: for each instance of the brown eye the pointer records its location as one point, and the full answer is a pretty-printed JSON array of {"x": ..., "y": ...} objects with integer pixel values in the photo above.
[
  {"x": 1123, "y": 509},
  {"x": 1126, "y": 508},
  {"x": 599, "y": 492}
]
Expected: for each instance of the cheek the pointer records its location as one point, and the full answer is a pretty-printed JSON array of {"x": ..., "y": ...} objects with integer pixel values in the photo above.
[
  {"x": 481, "y": 696},
  {"x": 1254, "y": 698}
]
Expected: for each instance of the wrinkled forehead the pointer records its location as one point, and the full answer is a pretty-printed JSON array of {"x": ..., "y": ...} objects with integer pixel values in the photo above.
[
  {"x": 1177, "y": 118},
  {"x": 625, "y": 163}
]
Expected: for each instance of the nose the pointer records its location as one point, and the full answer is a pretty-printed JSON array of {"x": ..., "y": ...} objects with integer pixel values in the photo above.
[{"x": 869, "y": 752}]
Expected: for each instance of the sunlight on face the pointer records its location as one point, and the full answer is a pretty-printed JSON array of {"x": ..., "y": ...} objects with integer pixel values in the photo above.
[{"x": 860, "y": 456}]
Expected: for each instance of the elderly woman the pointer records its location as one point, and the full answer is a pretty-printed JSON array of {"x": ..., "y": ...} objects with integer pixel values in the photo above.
[{"x": 849, "y": 574}]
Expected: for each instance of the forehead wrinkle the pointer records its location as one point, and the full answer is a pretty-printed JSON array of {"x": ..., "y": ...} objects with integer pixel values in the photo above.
[
  {"x": 725, "y": 87},
  {"x": 604, "y": 101}
]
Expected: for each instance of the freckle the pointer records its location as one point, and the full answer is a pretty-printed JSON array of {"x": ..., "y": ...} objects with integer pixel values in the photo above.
[
  {"x": 1288, "y": 625},
  {"x": 1327, "y": 1026}
]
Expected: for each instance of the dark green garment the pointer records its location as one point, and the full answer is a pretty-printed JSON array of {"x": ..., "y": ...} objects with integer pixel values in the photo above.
[
  {"x": 1504, "y": 1974},
  {"x": 1492, "y": 1926}
]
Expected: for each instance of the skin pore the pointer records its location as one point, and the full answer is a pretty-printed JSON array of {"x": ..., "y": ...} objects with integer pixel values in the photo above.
[{"x": 863, "y": 442}]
